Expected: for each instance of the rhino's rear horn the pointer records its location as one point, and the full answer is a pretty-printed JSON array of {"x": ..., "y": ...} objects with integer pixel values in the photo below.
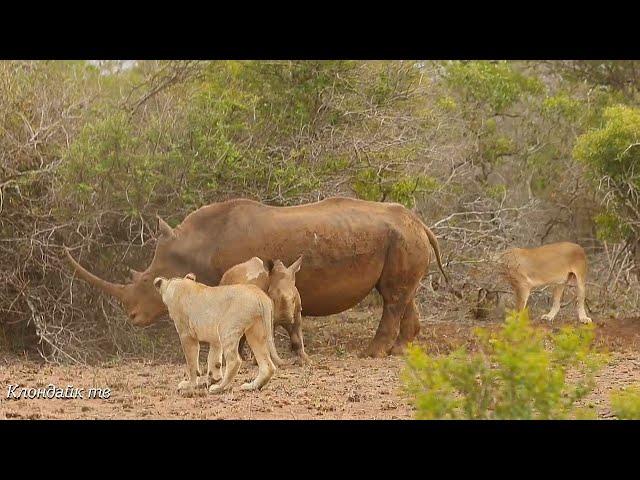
[{"x": 164, "y": 230}]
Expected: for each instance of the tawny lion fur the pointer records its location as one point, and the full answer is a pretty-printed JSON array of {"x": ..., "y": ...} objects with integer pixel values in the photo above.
[
  {"x": 555, "y": 263},
  {"x": 278, "y": 281},
  {"x": 220, "y": 316}
]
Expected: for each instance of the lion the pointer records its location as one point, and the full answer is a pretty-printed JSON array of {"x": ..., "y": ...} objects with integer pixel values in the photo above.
[
  {"x": 220, "y": 316},
  {"x": 556, "y": 263},
  {"x": 279, "y": 282}
]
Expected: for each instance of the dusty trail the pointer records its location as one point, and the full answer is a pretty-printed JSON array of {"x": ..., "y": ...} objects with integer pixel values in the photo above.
[{"x": 338, "y": 385}]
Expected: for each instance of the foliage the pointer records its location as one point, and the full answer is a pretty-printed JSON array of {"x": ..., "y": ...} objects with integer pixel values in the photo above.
[
  {"x": 615, "y": 75},
  {"x": 610, "y": 227},
  {"x": 519, "y": 372},
  {"x": 612, "y": 155},
  {"x": 497, "y": 84},
  {"x": 369, "y": 184},
  {"x": 626, "y": 403},
  {"x": 90, "y": 153},
  {"x": 562, "y": 105},
  {"x": 612, "y": 149}
]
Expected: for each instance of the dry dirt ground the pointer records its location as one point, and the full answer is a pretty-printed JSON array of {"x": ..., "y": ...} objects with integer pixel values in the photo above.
[{"x": 338, "y": 385}]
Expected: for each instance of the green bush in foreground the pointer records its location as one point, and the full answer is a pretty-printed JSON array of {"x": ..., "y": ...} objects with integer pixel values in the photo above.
[
  {"x": 519, "y": 372},
  {"x": 626, "y": 403}
]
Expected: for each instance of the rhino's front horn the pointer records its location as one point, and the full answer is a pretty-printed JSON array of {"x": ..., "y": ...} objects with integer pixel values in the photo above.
[{"x": 115, "y": 289}]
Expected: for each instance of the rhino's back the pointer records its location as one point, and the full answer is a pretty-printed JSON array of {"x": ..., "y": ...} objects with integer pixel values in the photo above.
[{"x": 343, "y": 242}]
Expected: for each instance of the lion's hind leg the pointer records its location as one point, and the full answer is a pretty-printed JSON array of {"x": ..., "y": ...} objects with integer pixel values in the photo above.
[
  {"x": 214, "y": 364},
  {"x": 229, "y": 341},
  {"x": 580, "y": 284},
  {"x": 257, "y": 340}
]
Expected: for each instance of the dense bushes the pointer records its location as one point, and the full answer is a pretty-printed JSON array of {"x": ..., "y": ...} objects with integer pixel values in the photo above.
[
  {"x": 612, "y": 155},
  {"x": 89, "y": 155}
]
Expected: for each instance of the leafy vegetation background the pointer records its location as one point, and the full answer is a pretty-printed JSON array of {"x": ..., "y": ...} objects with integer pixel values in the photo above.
[{"x": 491, "y": 154}]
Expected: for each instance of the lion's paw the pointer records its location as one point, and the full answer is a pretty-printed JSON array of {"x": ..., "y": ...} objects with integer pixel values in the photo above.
[
  {"x": 185, "y": 387},
  {"x": 216, "y": 389}
]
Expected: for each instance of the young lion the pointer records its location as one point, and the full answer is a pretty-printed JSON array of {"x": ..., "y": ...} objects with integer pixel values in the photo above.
[
  {"x": 555, "y": 263},
  {"x": 279, "y": 282},
  {"x": 220, "y": 316}
]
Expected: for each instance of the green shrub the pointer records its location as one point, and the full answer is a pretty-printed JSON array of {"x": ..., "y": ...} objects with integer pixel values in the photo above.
[
  {"x": 612, "y": 149},
  {"x": 562, "y": 105},
  {"x": 370, "y": 185},
  {"x": 519, "y": 372},
  {"x": 497, "y": 84},
  {"x": 611, "y": 154},
  {"x": 626, "y": 403},
  {"x": 609, "y": 226}
]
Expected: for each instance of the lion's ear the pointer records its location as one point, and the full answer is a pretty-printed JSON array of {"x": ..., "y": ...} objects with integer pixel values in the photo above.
[
  {"x": 295, "y": 266},
  {"x": 190, "y": 276},
  {"x": 157, "y": 282}
]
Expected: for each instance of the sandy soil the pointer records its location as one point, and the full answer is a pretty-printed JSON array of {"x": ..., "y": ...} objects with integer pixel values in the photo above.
[{"x": 338, "y": 385}]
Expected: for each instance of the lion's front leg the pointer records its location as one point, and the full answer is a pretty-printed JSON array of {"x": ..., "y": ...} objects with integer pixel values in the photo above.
[
  {"x": 297, "y": 342},
  {"x": 191, "y": 349},
  {"x": 555, "y": 308}
]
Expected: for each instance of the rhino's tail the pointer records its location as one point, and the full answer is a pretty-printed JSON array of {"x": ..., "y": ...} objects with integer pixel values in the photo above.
[
  {"x": 436, "y": 249},
  {"x": 267, "y": 318}
]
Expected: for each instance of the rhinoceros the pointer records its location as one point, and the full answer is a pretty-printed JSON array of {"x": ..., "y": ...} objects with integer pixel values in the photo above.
[{"x": 350, "y": 246}]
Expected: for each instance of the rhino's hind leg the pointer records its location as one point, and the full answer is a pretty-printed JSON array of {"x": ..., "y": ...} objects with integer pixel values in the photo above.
[
  {"x": 395, "y": 303},
  {"x": 398, "y": 283},
  {"x": 409, "y": 328},
  {"x": 257, "y": 340},
  {"x": 387, "y": 330}
]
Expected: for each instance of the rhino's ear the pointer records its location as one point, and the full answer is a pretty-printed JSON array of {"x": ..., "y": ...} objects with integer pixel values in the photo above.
[
  {"x": 164, "y": 230},
  {"x": 190, "y": 276},
  {"x": 135, "y": 275},
  {"x": 157, "y": 282}
]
